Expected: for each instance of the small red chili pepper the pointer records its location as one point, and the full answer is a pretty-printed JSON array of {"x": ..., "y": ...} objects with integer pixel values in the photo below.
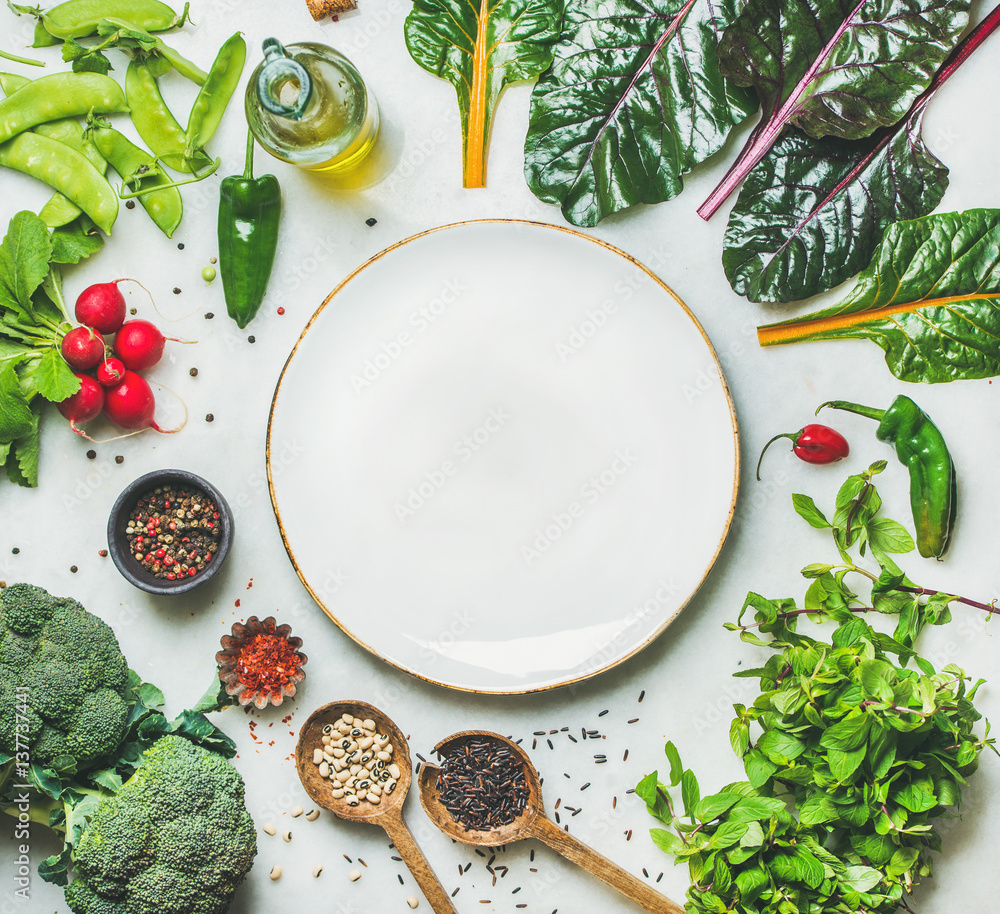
[{"x": 813, "y": 444}]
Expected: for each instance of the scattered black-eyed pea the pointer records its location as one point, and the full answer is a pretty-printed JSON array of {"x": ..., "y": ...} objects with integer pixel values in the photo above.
[
  {"x": 354, "y": 875},
  {"x": 286, "y": 836},
  {"x": 412, "y": 901},
  {"x": 312, "y": 815},
  {"x": 296, "y": 811},
  {"x": 275, "y": 873},
  {"x": 317, "y": 870},
  {"x": 269, "y": 829}
]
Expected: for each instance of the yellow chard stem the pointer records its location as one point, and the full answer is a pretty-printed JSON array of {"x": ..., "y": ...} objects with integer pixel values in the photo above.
[{"x": 474, "y": 169}]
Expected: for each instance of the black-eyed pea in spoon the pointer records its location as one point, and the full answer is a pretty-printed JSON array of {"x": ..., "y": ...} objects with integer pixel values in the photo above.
[
  {"x": 387, "y": 810},
  {"x": 520, "y": 811}
]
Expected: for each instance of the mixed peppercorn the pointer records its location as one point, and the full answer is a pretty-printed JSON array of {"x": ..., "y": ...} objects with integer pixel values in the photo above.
[{"x": 174, "y": 532}]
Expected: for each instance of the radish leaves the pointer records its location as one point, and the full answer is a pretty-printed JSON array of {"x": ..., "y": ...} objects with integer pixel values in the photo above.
[
  {"x": 632, "y": 102},
  {"x": 479, "y": 46},
  {"x": 930, "y": 298}
]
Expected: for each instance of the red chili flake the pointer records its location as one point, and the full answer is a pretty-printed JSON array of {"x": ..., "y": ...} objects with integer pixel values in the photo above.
[
  {"x": 237, "y": 604},
  {"x": 266, "y": 663}
]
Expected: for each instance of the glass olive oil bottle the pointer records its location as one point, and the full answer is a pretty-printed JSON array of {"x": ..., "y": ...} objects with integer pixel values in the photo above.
[{"x": 307, "y": 104}]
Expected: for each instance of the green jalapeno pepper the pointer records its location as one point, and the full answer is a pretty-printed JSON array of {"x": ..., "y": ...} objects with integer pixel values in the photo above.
[
  {"x": 249, "y": 212},
  {"x": 921, "y": 448}
]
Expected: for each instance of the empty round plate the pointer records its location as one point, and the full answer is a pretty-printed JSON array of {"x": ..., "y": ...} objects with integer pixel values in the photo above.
[{"x": 494, "y": 457}]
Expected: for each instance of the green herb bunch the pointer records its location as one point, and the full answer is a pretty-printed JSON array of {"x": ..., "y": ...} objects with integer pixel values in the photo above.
[{"x": 857, "y": 753}]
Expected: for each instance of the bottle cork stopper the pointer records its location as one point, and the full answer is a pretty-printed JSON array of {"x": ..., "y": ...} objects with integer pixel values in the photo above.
[{"x": 320, "y": 9}]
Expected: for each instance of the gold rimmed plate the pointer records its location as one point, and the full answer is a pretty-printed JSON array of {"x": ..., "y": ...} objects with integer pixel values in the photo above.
[{"x": 494, "y": 460}]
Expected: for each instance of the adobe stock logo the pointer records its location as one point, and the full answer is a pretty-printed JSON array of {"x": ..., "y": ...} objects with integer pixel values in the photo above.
[{"x": 590, "y": 492}]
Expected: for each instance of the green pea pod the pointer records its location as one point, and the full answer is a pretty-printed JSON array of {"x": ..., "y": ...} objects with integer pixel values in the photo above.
[
  {"x": 43, "y": 38},
  {"x": 210, "y": 105},
  {"x": 249, "y": 213},
  {"x": 58, "y": 96},
  {"x": 59, "y": 210},
  {"x": 66, "y": 170},
  {"x": 160, "y": 199},
  {"x": 80, "y": 18},
  {"x": 921, "y": 448},
  {"x": 155, "y": 123}
]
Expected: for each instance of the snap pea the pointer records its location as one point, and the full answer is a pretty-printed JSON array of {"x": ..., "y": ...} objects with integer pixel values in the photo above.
[
  {"x": 59, "y": 210},
  {"x": 80, "y": 18},
  {"x": 66, "y": 170},
  {"x": 159, "y": 48},
  {"x": 154, "y": 122},
  {"x": 135, "y": 165},
  {"x": 58, "y": 96},
  {"x": 210, "y": 105}
]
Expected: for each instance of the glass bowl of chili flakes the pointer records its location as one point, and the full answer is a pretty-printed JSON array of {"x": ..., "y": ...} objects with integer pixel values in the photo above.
[{"x": 260, "y": 662}]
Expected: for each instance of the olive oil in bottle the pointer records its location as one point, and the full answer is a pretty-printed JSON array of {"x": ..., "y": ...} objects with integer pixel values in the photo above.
[{"x": 307, "y": 104}]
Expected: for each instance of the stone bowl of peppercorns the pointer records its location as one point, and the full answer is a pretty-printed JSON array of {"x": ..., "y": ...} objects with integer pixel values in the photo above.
[{"x": 169, "y": 531}]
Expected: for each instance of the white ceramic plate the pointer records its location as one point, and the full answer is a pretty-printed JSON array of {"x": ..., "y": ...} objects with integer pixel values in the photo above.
[{"x": 515, "y": 458}]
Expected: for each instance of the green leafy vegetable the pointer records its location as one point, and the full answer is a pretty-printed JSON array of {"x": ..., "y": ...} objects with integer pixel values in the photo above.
[
  {"x": 33, "y": 320},
  {"x": 832, "y": 67},
  {"x": 632, "y": 102},
  {"x": 856, "y": 754},
  {"x": 812, "y": 212},
  {"x": 479, "y": 46},
  {"x": 930, "y": 298}
]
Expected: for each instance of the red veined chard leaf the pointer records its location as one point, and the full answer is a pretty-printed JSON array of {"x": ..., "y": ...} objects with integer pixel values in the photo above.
[
  {"x": 812, "y": 211},
  {"x": 930, "y": 298},
  {"x": 479, "y": 46},
  {"x": 839, "y": 68},
  {"x": 632, "y": 102}
]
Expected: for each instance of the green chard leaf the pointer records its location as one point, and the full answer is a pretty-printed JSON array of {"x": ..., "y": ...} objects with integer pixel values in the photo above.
[
  {"x": 812, "y": 212},
  {"x": 480, "y": 47},
  {"x": 833, "y": 67},
  {"x": 930, "y": 298},
  {"x": 632, "y": 102}
]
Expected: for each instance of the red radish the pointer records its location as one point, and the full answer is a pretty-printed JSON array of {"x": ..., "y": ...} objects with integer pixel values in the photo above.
[
  {"x": 84, "y": 405},
  {"x": 110, "y": 372},
  {"x": 130, "y": 404},
  {"x": 82, "y": 348},
  {"x": 102, "y": 306},
  {"x": 139, "y": 344}
]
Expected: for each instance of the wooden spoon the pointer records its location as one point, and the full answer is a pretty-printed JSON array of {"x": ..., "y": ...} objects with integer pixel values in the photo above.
[
  {"x": 389, "y": 812},
  {"x": 532, "y": 823}
]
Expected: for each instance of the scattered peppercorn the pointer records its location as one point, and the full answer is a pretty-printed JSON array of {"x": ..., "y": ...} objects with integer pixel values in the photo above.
[
  {"x": 119, "y": 459},
  {"x": 73, "y": 569},
  {"x": 177, "y": 291},
  {"x": 91, "y": 454},
  {"x": 130, "y": 204},
  {"x": 251, "y": 339},
  {"x": 180, "y": 245},
  {"x": 209, "y": 418},
  {"x": 213, "y": 259},
  {"x": 103, "y": 553},
  {"x": 193, "y": 372},
  {"x": 281, "y": 310},
  {"x": 209, "y": 316},
  {"x": 133, "y": 310},
  {"x": 15, "y": 551},
  {"x": 370, "y": 221},
  {"x": 173, "y": 533}
]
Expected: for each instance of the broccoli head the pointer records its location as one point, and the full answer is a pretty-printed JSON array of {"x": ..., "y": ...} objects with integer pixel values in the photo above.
[
  {"x": 175, "y": 839},
  {"x": 72, "y": 677}
]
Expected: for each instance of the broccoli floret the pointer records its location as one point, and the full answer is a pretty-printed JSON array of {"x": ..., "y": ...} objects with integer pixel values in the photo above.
[
  {"x": 176, "y": 838},
  {"x": 73, "y": 674}
]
